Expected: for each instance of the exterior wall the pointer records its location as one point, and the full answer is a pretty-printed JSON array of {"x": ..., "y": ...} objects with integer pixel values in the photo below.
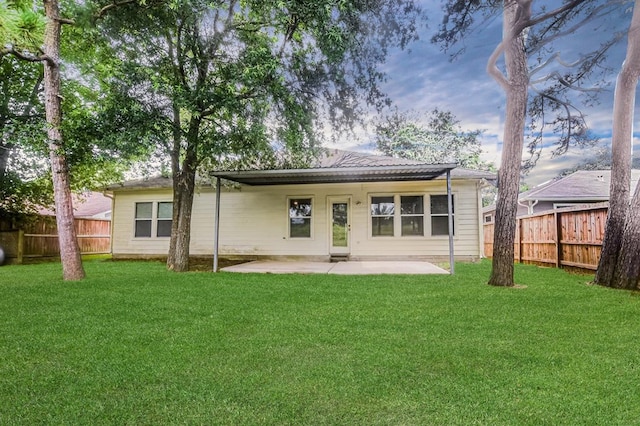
[{"x": 254, "y": 222}]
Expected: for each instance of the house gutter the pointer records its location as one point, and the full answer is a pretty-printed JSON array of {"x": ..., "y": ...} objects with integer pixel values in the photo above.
[
  {"x": 530, "y": 205},
  {"x": 113, "y": 211}
]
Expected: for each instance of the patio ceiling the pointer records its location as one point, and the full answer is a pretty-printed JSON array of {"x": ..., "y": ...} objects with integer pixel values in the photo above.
[{"x": 337, "y": 174}]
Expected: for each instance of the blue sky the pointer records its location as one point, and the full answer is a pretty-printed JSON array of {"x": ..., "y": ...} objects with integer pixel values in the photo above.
[{"x": 423, "y": 78}]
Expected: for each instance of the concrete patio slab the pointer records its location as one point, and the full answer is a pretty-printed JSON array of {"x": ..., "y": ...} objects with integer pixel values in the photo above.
[
  {"x": 281, "y": 267},
  {"x": 386, "y": 267},
  {"x": 339, "y": 268}
]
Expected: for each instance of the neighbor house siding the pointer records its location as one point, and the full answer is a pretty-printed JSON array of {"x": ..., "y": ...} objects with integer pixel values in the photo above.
[{"x": 254, "y": 222}]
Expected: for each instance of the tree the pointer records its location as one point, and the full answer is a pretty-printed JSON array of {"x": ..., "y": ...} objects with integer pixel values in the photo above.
[
  {"x": 244, "y": 83},
  {"x": 22, "y": 36},
  {"x": 527, "y": 34},
  {"x": 72, "y": 268},
  {"x": 22, "y": 172},
  {"x": 618, "y": 265},
  {"x": 441, "y": 140}
]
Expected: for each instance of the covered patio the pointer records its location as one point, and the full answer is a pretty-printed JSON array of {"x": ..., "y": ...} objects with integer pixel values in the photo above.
[
  {"x": 339, "y": 174},
  {"x": 337, "y": 268}
]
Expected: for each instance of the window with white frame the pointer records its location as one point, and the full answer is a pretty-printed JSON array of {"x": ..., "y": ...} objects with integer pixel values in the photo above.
[
  {"x": 440, "y": 214},
  {"x": 153, "y": 218},
  {"x": 383, "y": 210},
  {"x": 300, "y": 210},
  {"x": 165, "y": 219},
  {"x": 412, "y": 215}
]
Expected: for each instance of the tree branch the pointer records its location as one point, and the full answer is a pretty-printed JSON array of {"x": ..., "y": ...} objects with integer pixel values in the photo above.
[
  {"x": 527, "y": 23},
  {"x": 66, "y": 21},
  {"x": 113, "y": 5},
  {"x": 593, "y": 15},
  {"x": 28, "y": 57},
  {"x": 492, "y": 67}
]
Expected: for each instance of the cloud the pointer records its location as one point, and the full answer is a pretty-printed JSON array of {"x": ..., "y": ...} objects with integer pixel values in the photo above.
[{"x": 424, "y": 78}]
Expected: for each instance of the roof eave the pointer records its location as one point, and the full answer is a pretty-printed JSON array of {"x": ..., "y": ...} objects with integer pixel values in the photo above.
[{"x": 336, "y": 174}]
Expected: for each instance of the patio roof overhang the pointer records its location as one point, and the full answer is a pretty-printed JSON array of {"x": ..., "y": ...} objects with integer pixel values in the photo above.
[
  {"x": 395, "y": 173},
  {"x": 337, "y": 174}
]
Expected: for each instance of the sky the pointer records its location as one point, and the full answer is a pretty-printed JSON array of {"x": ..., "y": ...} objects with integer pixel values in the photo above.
[{"x": 422, "y": 78}]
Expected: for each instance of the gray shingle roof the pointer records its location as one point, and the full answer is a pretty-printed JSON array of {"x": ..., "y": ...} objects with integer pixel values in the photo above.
[
  {"x": 337, "y": 158},
  {"x": 583, "y": 185},
  {"x": 330, "y": 159}
]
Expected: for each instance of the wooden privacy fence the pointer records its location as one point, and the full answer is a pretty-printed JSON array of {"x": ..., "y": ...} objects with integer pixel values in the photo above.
[
  {"x": 568, "y": 237},
  {"x": 38, "y": 238}
]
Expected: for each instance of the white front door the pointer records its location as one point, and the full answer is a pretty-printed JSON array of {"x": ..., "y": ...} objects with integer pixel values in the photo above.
[{"x": 340, "y": 238}]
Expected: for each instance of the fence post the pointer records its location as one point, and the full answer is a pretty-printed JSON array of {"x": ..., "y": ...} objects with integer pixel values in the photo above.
[
  {"x": 558, "y": 226},
  {"x": 520, "y": 240},
  {"x": 20, "y": 248}
]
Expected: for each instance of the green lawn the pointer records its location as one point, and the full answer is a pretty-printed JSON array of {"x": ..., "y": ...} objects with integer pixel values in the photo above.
[{"x": 134, "y": 344}]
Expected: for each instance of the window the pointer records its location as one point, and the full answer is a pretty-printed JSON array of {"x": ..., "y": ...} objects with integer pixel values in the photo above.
[
  {"x": 143, "y": 219},
  {"x": 382, "y": 214},
  {"x": 165, "y": 216},
  {"x": 300, "y": 217},
  {"x": 412, "y": 215},
  {"x": 439, "y": 214},
  {"x": 488, "y": 218},
  {"x": 150, "y": 217}
]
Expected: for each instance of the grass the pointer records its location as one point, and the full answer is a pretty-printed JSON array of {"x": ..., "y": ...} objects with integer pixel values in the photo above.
[{"x": 135, "y": 344}]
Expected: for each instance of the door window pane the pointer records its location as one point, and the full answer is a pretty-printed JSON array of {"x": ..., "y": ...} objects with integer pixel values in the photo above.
[{"x": 340, "y": 225}]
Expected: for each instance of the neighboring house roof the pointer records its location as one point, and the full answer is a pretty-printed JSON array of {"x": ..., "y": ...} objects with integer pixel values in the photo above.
[
  {"x": 85, "y": 205},
  {"x": 583, "y": 186},
  {"x": 332, "y": 166}
]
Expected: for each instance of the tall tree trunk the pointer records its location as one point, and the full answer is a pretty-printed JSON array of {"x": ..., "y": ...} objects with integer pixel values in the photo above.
[
  {"x": 621, "y": 144},
  {"x": 69, "y": 250},
  {"x": 516, "y": 88},
  {"x": 623, "y": 223},
  {"x": 184, "y": 179},
  {"x": 627, "y": 271},
  {"x": 183, "y": 190}
]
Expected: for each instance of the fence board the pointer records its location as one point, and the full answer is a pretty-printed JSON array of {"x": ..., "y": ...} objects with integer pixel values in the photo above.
[
  {"x": 569, "y": 237},
  {"x": 39, "y": 238}
]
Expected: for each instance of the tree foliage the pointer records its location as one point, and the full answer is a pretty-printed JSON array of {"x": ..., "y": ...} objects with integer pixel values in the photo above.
[
  {"x": 440, "y": 140},
  {"x": 23, "y": 171},
  {"x": 239, "y": 84},
  {"x": 93, "y": 157}
]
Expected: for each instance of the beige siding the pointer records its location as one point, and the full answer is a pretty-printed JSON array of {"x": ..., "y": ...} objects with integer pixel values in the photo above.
[{"x": 254, "y": 222}]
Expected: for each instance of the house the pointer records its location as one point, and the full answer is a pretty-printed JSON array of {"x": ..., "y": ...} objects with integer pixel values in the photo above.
[
  {"x": 86, "y": 205},
  {"x": 579, "y": 188},
  {"x": 351, "y": 205}
]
